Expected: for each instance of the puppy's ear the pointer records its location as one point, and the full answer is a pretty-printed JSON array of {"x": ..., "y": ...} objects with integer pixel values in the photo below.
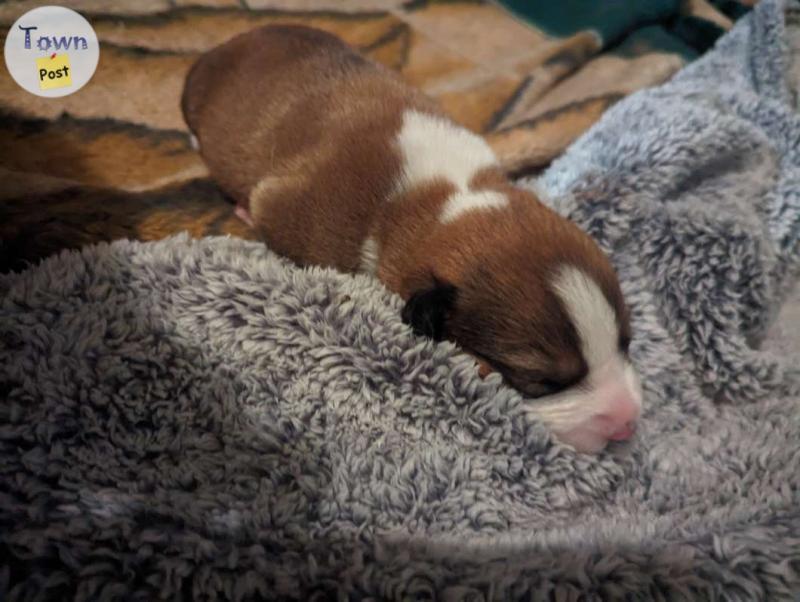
[{"x": 426, "y": 310}]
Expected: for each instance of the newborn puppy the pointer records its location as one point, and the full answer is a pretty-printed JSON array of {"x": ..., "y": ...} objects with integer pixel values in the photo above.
[{"x": 336, "y": 162}]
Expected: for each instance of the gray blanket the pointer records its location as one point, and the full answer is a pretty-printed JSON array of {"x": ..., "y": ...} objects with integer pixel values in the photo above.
[{"x": 202, "y": 420}]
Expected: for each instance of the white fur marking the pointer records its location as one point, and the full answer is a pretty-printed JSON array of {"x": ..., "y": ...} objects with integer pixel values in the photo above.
[
  {"x": 593, "y": 317},
  {"x": 573, "y": 414},
  {"x": 461, "y": 202},
  {"x": 433, "y": 148},
  {"x": 582, "y": 416},
  {"x": 194, "y": 142},
  {"x": 369, "y": 256}
]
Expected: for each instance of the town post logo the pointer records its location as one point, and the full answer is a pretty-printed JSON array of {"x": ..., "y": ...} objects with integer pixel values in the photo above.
[{"x": 51, "y": 51}]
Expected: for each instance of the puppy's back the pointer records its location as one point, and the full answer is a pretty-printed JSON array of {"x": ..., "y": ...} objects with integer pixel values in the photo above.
[
  {"x": 250, "y": 66},
  {"x": 299, "y": 129},
  {"x": 239, "y": 93}
]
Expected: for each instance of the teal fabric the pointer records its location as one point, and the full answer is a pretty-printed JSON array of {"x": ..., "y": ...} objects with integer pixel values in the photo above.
[
  {"x": 654, "y": 38},
  {"x": 614, "y": 20},
  {"x": 610, "y": 18},
  {"x": 697, "y": 33},
  {"x": 731, "y": 8}
]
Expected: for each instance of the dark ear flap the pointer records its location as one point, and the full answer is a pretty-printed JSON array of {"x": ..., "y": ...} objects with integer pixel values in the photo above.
[{"x": 426, "y": 310}]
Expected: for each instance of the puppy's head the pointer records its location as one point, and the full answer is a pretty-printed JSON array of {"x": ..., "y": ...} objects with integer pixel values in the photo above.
[{"x": 533, "y": 297}]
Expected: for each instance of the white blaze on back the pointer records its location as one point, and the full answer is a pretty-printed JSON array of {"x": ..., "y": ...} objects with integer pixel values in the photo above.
[
  {"x": 432, "y": 149},
  {"x": 461, "y": 202}
]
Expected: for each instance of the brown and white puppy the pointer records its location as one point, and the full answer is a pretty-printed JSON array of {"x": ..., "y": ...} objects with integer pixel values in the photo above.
[{"x": 336, "y": 162}]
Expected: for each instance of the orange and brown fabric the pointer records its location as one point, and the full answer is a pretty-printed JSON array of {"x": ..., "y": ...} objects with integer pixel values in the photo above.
[{"x": 114, "y": 161}]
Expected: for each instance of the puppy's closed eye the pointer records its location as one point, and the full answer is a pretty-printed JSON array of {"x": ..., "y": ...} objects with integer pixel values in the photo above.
[
  {"x": 537, "y": 386},
  {"x": 537, "y": 377},
  {"x": 548, "y": 385}
]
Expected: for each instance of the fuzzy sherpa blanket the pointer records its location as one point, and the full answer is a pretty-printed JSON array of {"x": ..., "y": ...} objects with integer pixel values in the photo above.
[{"x": 203, "y": 420}]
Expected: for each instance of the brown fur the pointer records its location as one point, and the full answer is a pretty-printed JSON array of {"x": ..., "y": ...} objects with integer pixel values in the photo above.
[
  {"x": 500, "y": 262},
  {"x": 300, "y": 107},
  {"x": 298, "y": 127}
]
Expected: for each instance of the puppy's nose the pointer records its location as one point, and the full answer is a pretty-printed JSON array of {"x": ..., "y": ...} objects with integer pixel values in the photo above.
[
  {"x": 618, "y": 421},
  {"x": 624, "y": 433}
]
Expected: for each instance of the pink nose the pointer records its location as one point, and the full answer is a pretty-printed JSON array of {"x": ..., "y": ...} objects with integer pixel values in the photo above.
[
  {"x": 623, "y": 433},
  {"x": 618, "y": 422}
]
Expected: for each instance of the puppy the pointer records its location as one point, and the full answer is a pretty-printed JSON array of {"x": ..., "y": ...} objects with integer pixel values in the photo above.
[{"x": 336, "y": 162}]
